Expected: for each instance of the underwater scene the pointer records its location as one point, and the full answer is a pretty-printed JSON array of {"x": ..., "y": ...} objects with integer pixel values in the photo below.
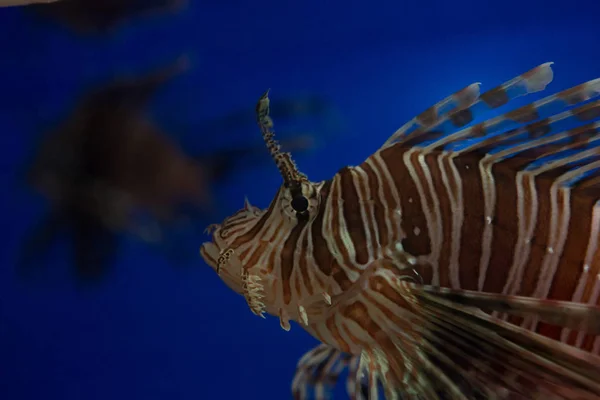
[{"x": 318, "y": 200}]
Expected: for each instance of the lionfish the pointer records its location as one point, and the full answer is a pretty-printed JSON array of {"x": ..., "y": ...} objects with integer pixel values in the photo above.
[{"x": 459, "y": 261}]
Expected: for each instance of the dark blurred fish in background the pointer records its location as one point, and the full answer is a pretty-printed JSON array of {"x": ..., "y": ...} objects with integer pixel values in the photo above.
[
  {"x": 102, "y": 16},
  {"x": 109, "y": 169},
  {"x": 12, "y": 3}
]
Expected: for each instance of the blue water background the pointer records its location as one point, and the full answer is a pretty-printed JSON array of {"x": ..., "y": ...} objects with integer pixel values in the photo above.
[{"x": 156, "y": 332}]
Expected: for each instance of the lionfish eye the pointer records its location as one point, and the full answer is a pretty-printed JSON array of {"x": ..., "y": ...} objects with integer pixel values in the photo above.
[
  {"x": 294, "y": 181},
  {"x": 299, "y": 204}
]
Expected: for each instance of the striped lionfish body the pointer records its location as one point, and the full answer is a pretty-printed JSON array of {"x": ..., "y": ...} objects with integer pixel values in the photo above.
[{"x": 459, "y": 261}]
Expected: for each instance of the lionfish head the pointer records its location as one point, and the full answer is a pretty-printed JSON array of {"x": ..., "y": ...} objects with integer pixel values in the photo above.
[
  {"x": 297, "y": 201},
  {"x": 224, "y": 235}
]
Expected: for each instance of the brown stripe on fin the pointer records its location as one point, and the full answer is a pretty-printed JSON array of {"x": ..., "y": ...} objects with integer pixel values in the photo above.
[
  {"x": 465, "y": 105},
  {"x": 532, "y": 81},
  {"x": 448, "y": 347},
  {"x": 438, "y": 113},
  {"x": 540, "y": 365},
  {"x": 577, "y": 316},
  {"x": 318, "y": 371},
  {"x": 538, "y": 116}
]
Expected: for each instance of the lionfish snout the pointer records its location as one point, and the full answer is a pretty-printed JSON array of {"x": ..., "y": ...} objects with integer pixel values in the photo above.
[
  {"x": 221, "y": 257},
  {"x": 210, "y": 251}
]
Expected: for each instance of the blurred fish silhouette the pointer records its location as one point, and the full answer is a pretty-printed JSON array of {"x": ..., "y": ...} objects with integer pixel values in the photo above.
[
  {"x": 108, "y": 169},
  {"x": 12, "y": 3},
  {"x": 101, "y": 16}
]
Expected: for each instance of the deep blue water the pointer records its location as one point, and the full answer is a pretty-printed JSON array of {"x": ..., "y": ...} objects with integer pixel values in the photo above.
[{"x": 156, "y": 332}]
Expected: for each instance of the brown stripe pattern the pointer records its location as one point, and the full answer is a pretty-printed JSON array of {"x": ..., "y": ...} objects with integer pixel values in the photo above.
[{"x": 508, "y": 205}]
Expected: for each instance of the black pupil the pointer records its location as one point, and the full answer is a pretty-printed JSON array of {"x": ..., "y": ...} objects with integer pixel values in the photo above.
[{"x": 300, "y": 204}]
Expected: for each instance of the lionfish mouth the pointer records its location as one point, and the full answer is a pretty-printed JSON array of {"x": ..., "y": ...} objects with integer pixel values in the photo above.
[
  {"x": 210, "y": 251},
  {"x": 223, "y": 260}
]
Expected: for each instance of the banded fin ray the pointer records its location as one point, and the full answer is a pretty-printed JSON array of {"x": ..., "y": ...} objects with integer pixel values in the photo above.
[
  {"x": 456, "y": 351},
  {"x": 462, "y": 107},
  {"x": 522, "y": 354},
  {"x": 576, "y": 316},
  {"x": 445, "y": 133},
  {"x": 318, "y": 371}
]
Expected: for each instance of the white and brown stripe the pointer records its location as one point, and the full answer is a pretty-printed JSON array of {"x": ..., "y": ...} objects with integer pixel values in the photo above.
[
  {"x": 508, "y": 205},
  {"x": 478, "y": 208}
]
